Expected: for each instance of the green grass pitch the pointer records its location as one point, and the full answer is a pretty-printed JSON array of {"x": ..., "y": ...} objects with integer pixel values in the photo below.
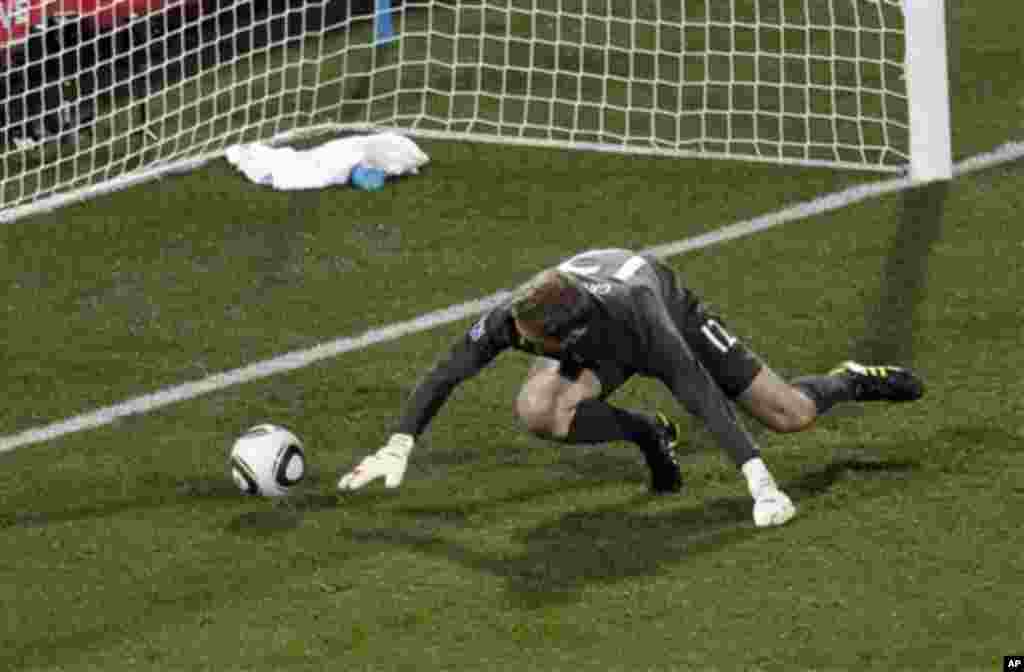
[{"x": 128, "y": 548}]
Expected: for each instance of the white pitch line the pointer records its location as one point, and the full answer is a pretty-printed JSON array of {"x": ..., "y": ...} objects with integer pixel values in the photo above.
[
  {"x": 840, "y": 199},
  {"x": 281, "y": 364},
  {"x": 302, "y": 358},
  {"x": 823, "y": 204}
]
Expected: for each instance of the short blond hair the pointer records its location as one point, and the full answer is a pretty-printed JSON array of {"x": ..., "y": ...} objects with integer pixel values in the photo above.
[{"x": 547, "y": 299}]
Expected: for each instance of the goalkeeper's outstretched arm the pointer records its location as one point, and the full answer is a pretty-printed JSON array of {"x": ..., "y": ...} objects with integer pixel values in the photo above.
[
  {"x": 671, "y": 361},
  {"x": 465, "y": 359}
]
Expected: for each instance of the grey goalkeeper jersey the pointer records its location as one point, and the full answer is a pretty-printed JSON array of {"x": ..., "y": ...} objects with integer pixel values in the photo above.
[{"x": 635, "y": 322}]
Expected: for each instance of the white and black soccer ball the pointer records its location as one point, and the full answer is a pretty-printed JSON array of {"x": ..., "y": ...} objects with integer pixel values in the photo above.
[{"x": 268, "y": 461}]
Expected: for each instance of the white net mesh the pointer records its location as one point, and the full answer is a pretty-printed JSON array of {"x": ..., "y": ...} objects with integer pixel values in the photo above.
[{"x": 802, "y": 81}]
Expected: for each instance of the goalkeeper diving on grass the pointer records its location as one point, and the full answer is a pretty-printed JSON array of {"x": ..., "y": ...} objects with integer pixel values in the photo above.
[{"x": 600, "y": 318}]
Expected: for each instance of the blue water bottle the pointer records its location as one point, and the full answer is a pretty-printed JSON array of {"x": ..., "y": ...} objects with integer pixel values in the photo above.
[{"x": 366, "y": 178}]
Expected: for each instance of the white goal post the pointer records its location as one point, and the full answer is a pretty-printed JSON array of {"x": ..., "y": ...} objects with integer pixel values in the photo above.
[{"x": 102, "y": 94}]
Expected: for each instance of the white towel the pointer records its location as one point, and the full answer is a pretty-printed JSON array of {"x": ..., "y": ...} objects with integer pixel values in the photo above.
[{"x": 331, "y": 163}]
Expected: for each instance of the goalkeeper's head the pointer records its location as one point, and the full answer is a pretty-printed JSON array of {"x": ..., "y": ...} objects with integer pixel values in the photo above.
[{"x": 551, "y": 306}]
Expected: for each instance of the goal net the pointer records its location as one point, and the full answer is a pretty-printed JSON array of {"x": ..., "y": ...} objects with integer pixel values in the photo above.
[{"x": 100, "y": 94}]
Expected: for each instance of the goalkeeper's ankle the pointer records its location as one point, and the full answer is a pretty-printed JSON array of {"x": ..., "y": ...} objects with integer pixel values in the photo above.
[{"x": 759, "y": 480}]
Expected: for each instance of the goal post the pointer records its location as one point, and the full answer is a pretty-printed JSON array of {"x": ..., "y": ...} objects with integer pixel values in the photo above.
[
  {"x": 927, "y": 76},
  {"x": 844, "y": 84}
]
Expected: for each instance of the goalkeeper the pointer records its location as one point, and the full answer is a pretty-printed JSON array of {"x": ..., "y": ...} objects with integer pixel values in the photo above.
[{"x": 606, "y": 315}]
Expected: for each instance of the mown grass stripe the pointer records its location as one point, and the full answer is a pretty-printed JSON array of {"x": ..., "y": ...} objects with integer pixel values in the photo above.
[{"x": 302, "y": 358}]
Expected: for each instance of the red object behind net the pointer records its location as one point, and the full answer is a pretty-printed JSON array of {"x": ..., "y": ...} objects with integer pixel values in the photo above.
[{"x": 18, "y": 17}]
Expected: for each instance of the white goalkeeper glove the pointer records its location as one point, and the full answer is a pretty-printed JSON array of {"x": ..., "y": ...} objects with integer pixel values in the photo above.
[
  {"x": 773, "y": 508},
  {"x": 389, "y": 462},
  {"x": 771, "y": 505}
]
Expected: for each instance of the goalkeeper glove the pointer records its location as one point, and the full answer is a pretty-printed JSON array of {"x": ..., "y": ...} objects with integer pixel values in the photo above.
[{"x": 389, "y": 462}]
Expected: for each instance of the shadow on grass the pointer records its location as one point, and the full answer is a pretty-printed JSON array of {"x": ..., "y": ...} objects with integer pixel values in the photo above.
[
  {"x": 556, "y": 562},
  {"x": 157, "y": 490},
  {"x": 890, "y": 323},
  {"x": 606, "y": 544},
  {"x": 150, "y": 491}
]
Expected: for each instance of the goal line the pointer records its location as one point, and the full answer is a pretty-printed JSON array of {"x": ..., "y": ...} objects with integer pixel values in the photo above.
[{"x": 302, "y": 358}]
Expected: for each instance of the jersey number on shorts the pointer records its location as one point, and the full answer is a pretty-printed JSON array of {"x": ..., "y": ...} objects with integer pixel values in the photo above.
[{"x": 717, "y": 335}]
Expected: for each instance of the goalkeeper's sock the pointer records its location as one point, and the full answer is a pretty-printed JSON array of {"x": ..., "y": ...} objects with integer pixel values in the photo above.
[
  {"x": 597, "y": 421},
  {"x": 825, "y": 391}
]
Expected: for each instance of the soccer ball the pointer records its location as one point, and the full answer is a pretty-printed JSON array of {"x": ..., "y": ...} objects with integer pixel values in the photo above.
[{"x": 267, "y": 460}]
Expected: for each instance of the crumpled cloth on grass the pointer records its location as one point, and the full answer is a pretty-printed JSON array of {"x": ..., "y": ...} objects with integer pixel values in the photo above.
[{"x": 286, "y": 168}]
